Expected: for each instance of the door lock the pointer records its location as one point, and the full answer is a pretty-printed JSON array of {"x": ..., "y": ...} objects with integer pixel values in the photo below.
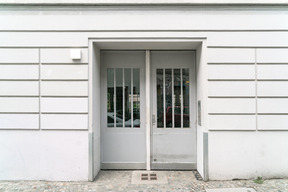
[{"x": 153, "y": 120}]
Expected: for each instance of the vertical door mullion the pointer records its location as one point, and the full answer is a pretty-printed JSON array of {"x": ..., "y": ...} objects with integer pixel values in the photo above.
[
  {"x": 172, "y": 76},
  {"x": 181, "y": 87},
  {"x": 123, "y": 97},
  {"x": 114, "y": 98},
  {"x": 132, "y": 99},
  {"x": 147, "y": 111},
  {"x": 164, "y": 99}
]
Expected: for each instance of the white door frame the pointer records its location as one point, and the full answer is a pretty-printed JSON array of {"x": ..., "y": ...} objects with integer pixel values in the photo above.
[
  {"x": 143, "y": 43},
  {"x": 148, "y": 112}
]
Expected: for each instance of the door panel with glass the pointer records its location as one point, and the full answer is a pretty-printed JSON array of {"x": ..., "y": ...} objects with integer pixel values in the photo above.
[
  {"x": 173, "y": 110},
  {"x": 123, "y": 120},
  {"x": 122, "y": 128}
]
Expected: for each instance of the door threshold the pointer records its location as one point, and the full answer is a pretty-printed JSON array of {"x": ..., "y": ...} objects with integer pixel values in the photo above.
[
  {"x": 174, "y": 166},
  {"x": 123, "y": 166}
]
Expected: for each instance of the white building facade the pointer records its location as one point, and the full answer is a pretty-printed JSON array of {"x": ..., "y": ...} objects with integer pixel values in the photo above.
[{"x": 184, "y": 85}]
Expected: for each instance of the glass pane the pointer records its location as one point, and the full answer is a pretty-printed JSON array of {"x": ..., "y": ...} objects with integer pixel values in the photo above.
[
  {"x": 127, "y": 97},
  {"x": 168, "y": 97},
  {"x": 136, "y": 98},
  {"x": 119, "y": 98},
  {"x": 160, "y": 117},
  {"x": 110, "y": 97},
  {"x": 185, "y": 77},
  {"x": 177, "y": 98}
]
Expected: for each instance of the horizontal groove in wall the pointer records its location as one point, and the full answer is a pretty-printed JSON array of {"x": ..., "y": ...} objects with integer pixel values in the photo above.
[
  {"x": 19, "y": 63},
  {"x": 56, "y": 113},
  {"x": 272, "y": 79},
  {"x": 43, "y": 47},
  {"x": 230, "y": 63},
  {"x": 19, "y": 80},
  {"x": 272, "y": 113},
  {"x": 145, "y": 38},
  {"x": 77, "y": 130},
  {"x": 55, "y": 80},
  {"x": 63, "y": 129},
  {"x": 49, "y": 96},
  {"x": 271, "y": 97},
  {"x": 277, "y": 130},
  {"x": 233, "y": 130},
  {"x": 19, "y": 95},
  {"x": 156, "y": 30},
  {"x": 270, "y": 63},
  {"x": 19, "y": 113},
  {"x": 231, "y": 96},
  {"x": 231, "y": 80},
  {"x": 232, "y": 113},
  {"x": 247, "y": 47},
  {"x": 64, "y": 63},
  {"x": 19, "y": 129}
]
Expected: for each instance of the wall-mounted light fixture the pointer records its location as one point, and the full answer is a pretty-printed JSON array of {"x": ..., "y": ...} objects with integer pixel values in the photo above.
[{"x": 75, "y": 54}]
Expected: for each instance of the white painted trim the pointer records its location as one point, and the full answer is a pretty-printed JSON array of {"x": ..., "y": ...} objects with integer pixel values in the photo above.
[
  {"x": 148, "y": 112},
  {"x": 142, "y": 2},
  {"x": 90, "y": 114},
  {"x": 133, "y": 43}
]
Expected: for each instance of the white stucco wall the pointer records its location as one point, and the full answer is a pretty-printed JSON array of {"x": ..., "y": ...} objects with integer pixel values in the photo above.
[
  {"x": 242, "y": 85},
  {"x": 43, "y": 155}
]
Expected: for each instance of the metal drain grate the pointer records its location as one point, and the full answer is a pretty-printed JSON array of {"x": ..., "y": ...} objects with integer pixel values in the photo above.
[{"x": 149, "y": 177}]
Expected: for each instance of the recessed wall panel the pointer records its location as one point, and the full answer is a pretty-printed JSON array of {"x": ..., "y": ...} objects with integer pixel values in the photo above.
[
  {"x": 17, "y": 55},
  {"x": 272, "y": 122},
  {"x": 273, "y": 88},
  {"x": 62, "y": 55},
  {"x": 246, "y": 39},
  {"x": 19, "y": 72},
  {"x": 231, "y": 71},
  {"x": 63, "y": 121},
  {"x": 231, "y": 105},
  {"x": 272, "y": 105},
  {"x": 19, "y": 88},
  {"x": 272, "y": 55},
  {"x": 16, "y": 104},
  {"x": 275, "y": 71},
  {"x": 64, "y": 88},
  {"x": 230, "y": 55},
  {"x": 64, "y": 105},
  {"x": 232, "y": 122},
  {"x": 231, "y": 88},
  {"x": 19, "y": 121},
  {"x": 64, "y": 72}
]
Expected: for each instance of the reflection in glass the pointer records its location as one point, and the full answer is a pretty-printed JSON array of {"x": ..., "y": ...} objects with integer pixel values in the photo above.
[
  {"x": 177, "y": 98},
  {"x": 185, "y": 79},
  {"x": 160, "y": 117},
  {"x": 168, "y": 97},
  {"x": 119, "y": 97},
  {"x": 136, "y": 98},
  {"x": 110, "y": 97},
  {"x": 127, "y": 96}
]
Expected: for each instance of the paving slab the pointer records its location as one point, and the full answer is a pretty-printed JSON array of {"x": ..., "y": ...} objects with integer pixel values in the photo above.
[
  {"x": 231, "y": 190},
  {"x": 121, "y": 181}
]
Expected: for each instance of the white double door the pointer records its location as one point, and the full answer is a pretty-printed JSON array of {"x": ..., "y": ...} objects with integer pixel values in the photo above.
[{"x": 169, "y": 133}]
